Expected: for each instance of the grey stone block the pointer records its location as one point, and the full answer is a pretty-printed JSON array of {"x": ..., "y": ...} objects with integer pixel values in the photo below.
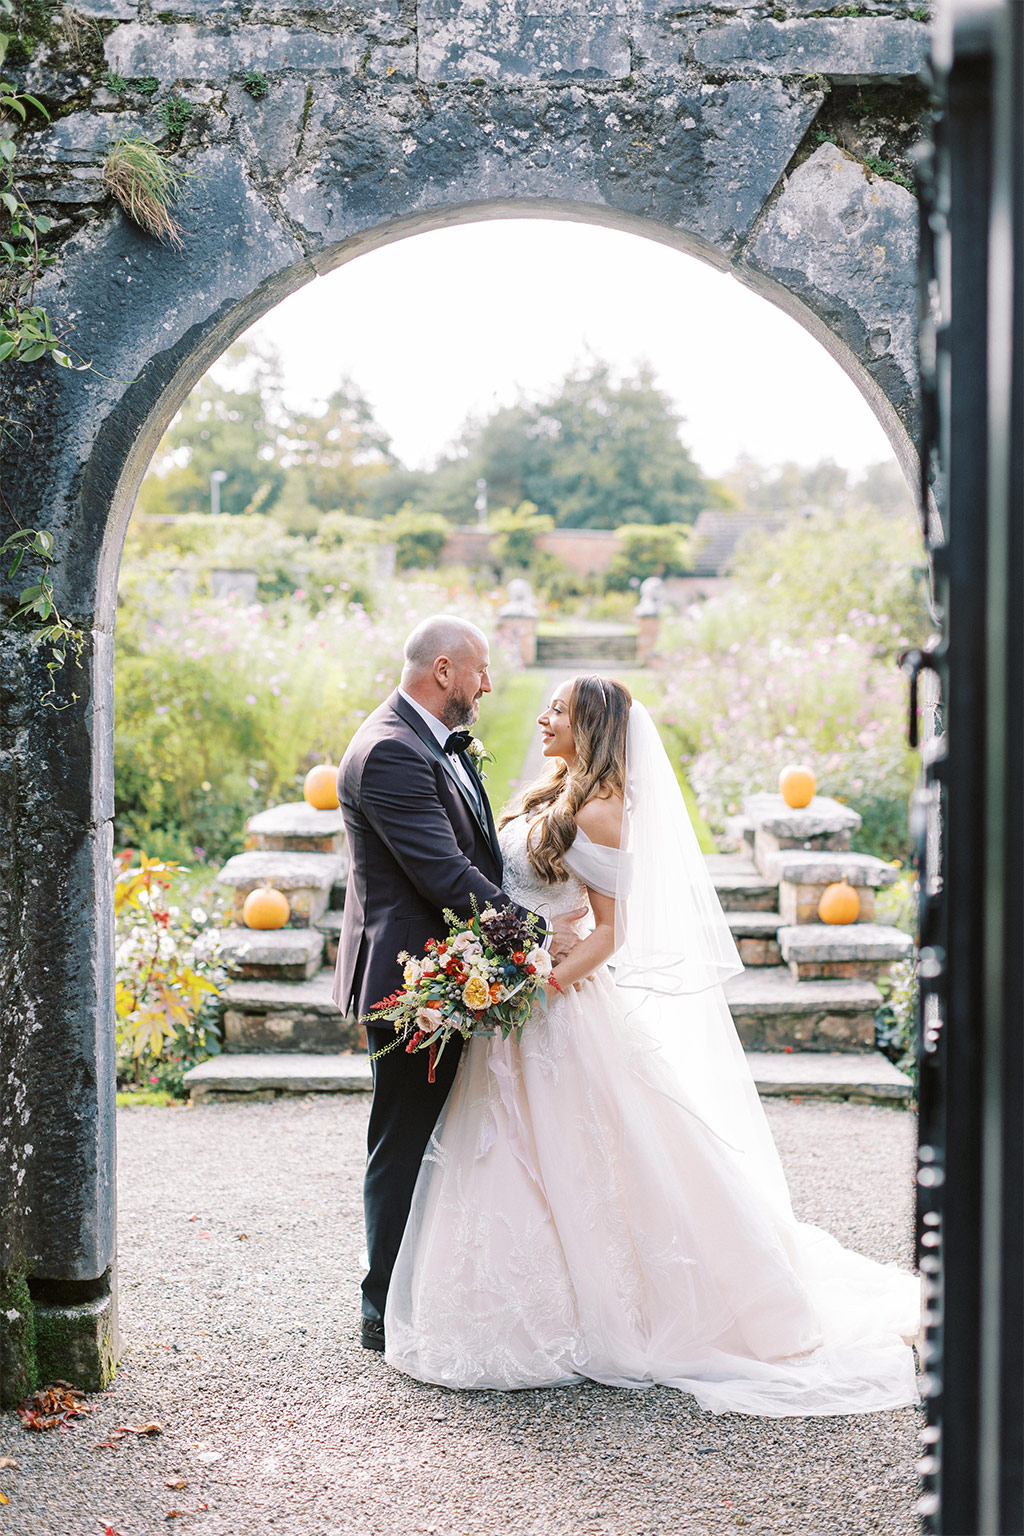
[
  {"x": 522, "y": 40},
  {"x": 185, "y": 52},
  {"x": 867, "y": 1078},
  {"x": 799, "y": 868},
  {"x": 78, "y": 1343},
  {"x": 269, "y": 130},
  {"x": 844, "y": 48},
  {"x": 305, "y": 878},
  {"x": 773, "y": 1012},
  {"x": 843, "y": 242},
  {"x": 112, "y": 10},
  {"x": 844, "y": 942},
  {"x": 83, "y": 137},
  {"x": 295, "y": 824},
  {"x": 227, "y": 1077},
  {"x": 288, "y": 1016},
  {"x": 823, "y": 816},
  {"x": 285, "y": 954}
]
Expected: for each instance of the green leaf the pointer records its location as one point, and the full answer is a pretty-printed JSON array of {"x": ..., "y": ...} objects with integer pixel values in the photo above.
[
  {"x": 29, "y": 595},
  {"x": 8, "y": 149},
  {"x": 33, "y": 353},
  {"x": 9, "y": 201},
  {"x": 43, "y": 224},
  {"x": 33, "y": 102},
  {"x": 6, "y": 348},
  {"x": 42, "y": 543}
]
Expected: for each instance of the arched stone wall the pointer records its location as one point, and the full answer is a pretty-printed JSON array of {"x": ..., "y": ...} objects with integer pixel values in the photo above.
[{"x": 696, "y": 125}]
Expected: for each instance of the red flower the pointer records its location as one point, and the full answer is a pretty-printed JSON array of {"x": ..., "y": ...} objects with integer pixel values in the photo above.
[
  {"x": 531, "y": 970},
  {"x": 518, "y": 958},
  {"x": 414, "y": 1042},
  {"x": 163, "y": 918},
  {"x": 430, "y": 944},
  {"x": 442, "y": 949}
]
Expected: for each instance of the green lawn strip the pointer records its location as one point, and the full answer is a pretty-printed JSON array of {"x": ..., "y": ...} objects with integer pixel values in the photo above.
[
  {"x": 136, "y": 1098},
  {"x": 505, "y": 730},
  {"x": 646, "y": 688}
]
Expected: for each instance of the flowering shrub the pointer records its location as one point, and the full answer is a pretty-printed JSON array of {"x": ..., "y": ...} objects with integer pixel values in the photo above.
[
  {"x": 168, "y": 978},
  {"x": 222, "y": 707},
  {"x": 794, "y": 665}
]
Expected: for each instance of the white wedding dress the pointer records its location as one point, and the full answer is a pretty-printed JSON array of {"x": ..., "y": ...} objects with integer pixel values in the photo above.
[{"x": 575, "y": 1216}]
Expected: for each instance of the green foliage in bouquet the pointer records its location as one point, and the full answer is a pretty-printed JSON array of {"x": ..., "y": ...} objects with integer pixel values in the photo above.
[
  {"x": 484, "y": 976},
  {"x": 168, "y": 980}
]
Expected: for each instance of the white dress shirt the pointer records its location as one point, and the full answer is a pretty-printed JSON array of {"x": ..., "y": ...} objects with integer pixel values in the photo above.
[{"x": 442, "y": 732}]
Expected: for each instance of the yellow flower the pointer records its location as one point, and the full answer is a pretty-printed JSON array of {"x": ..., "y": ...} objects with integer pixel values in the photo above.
[{"x": 475, "y": 993}]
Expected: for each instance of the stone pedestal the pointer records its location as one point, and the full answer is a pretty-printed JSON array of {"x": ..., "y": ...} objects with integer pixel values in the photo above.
[
  {"x": 279, "y": 954},
  {"x": 298, "y": 828},
  {"x": 803, "y": 878},
  {"x": 823, "y": 826},
  {"x": 647, "y": 629},
  {"x": 518, "y": 634},
  {"x": 307, "y": 879}
]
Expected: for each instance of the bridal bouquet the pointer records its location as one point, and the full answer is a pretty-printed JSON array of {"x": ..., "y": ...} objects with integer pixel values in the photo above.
[{"x": 484, "y": 975}]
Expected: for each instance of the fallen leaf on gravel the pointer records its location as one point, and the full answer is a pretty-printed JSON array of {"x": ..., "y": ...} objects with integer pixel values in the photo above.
[
  {"x": 52, "y": 1407},
  {"x": 4, "y": 1499},
  {"x": 176, "y": 1482},
  {"x": 108, "y": 1530},
  {"x": 8, "y": 1461},
  {"x": 138, "y": 1429},
  {"x": 175, "y": 1514},
  {"x": 243, "y": 1237}
]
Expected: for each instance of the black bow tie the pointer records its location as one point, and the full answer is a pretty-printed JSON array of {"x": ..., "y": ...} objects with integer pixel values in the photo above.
[{"x": 458, "y": 741}]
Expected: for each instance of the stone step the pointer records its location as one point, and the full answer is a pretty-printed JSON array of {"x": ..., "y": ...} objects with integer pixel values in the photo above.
[
  {"x": 815, "y": 951},
  {"x": 739, "y": 885},
  {"x": 330, "y": 926},
  {"x": 756, "y": 935},
  {"x": 252, "y": 1077},
  {"x": 867, "y": 1078},
  {"x": 296, "y": 827},
  {"x": 861, "y": 1079},
  {"x": 553, "y": 650},
  {"x": 278, "y": 954},
  {"x": 824, "y": 825},
  {"x": 772, "y": 1011},
  {"x": 307, "y": 879},
  {"x": 288, "y": 1016},
  {"x": 803, "y": 877},
  {"x": 739, "y": 835}
]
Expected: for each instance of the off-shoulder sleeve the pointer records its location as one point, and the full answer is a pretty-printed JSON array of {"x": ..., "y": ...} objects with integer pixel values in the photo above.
[{"x": 596, "y": 865}]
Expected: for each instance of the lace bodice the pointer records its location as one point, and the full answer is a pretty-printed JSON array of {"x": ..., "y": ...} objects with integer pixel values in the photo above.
[{"x": 590, "y": 864}]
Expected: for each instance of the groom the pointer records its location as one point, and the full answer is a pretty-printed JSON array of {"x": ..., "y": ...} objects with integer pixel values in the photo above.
[{"x": 421, "y": 838}]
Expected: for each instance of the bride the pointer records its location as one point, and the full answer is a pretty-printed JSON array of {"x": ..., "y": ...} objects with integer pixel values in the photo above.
[{"x": 604, "y": 1199}]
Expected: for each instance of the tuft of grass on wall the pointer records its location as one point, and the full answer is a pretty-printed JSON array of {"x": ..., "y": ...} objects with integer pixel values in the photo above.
[{"x": 145, "y": 185}]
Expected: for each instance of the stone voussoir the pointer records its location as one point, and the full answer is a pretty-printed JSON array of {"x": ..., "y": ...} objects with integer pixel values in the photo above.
[{"x": 296, "y": 827}]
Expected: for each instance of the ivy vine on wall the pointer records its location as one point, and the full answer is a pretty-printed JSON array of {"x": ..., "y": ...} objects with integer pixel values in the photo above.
[{"x": 27, "y": 335}]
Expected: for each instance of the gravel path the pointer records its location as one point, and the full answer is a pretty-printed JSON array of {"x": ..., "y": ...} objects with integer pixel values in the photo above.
[{"x": 240, "y": 1242}]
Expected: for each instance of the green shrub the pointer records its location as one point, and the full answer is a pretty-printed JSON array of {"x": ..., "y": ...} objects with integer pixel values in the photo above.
[
  {"x": 516, "y": 533},
  {"x": 419, "y": 538},
  {"x": 646, "y": 549}
]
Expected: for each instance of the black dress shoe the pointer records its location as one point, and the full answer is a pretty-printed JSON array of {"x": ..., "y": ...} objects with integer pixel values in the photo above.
[{"x": 371, "y": 1335}]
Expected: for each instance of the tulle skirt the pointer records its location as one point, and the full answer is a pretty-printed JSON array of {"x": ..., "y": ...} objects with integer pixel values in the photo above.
[{"x": 576, "y": 1217}]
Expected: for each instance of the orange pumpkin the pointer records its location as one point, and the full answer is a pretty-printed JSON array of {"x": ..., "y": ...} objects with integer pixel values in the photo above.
[
  {"x": 265, "y": 908},
  {"x": 797, "y": 786},
  {"x": 320, "y": 787},
  {"x": 839, "y": 904}
]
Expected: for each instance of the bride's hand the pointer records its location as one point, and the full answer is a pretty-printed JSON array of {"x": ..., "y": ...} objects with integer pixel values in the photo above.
[{"x": 563, "y": 936}]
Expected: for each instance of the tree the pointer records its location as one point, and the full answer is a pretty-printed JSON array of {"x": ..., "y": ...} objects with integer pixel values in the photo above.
[
  {"x": 229, "y": 426},
  {"x": 336, "y": 451},
  {"x": 593, "y": 454}
]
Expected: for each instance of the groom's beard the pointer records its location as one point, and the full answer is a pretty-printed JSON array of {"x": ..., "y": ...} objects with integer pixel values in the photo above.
[{"x": 458, "y": 712}]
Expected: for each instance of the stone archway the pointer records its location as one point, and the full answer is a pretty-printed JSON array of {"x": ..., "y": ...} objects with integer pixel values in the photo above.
[{"x": 691, "y": 126}]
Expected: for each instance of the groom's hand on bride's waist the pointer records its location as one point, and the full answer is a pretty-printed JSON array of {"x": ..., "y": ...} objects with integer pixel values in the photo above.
[{"x": 563, "y": 935}]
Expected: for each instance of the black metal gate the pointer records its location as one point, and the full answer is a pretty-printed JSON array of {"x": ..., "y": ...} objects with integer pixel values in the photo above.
[{"x": 970, "y": 810}]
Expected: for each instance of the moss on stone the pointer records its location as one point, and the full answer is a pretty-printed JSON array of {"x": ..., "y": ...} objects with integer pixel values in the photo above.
[
  {"x": 77, "y": 1344},
  {"x": 19, "y": 1369}
]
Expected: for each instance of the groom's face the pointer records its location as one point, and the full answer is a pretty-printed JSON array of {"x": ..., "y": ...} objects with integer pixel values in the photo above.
[{"x": 467, "y": 681}]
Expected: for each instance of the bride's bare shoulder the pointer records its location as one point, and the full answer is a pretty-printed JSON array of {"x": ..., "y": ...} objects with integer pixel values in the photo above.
[{"x": 601, "y": 819}]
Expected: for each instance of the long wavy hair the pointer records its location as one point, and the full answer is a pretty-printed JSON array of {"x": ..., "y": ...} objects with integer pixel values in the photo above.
[{"x": 598, "y": 715}]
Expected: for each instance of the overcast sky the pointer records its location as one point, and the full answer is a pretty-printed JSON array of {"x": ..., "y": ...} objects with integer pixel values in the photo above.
[{"x": 443, "y": 325}]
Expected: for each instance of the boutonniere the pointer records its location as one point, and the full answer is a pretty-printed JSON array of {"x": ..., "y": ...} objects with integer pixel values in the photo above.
[{"x": 480, "y": 755}]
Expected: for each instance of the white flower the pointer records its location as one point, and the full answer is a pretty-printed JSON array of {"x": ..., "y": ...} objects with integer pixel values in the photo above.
[
  {"x": 429, "y": 1019},
  {"x": 540, "y": 960},
  {"x": 462, "y": 943}
]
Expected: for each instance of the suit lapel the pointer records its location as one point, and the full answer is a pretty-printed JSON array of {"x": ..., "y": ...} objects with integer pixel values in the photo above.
[{"x": 484, "y": 821}]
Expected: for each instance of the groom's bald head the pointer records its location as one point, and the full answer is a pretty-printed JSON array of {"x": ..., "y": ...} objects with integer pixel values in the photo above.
[{"x": 446, "y": 662}]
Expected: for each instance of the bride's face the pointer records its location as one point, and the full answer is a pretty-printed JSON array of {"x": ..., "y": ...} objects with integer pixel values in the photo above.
[{"x": 555, "y": 729}]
